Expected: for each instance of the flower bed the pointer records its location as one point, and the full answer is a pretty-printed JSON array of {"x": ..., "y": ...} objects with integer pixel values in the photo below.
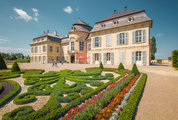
[
  {"x": 97, "y": 102},
  {"x": 107, "y": 111}
]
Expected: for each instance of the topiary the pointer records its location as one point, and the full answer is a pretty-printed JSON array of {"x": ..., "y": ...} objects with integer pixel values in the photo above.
[
  {"x": 135, "y": 69},
  {"x": 2, "y": 63},
  {"x": 15, "y": 67},
  {"x": 101, "y": 66},
  {"x": 121, "y": 67}
]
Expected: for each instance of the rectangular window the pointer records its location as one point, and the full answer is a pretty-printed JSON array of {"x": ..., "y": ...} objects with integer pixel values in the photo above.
[
  {"x": 81, "y": 45},
  {"x": 57, "y": 49},
  {"x": 44, "y": 48},
  {"x": 108, "y": 56},
  {"x": 138, "y": 55},
  {"x": 50, "y": 48},
  {"x": 89, "y": 46},
  {"x": 138, "y": 36},
  {"x": 72, "y": 46},
  {"x": 36, "y": 49},
  {"x": 122, "y": 38},
  {"x": 97, "y": 42},
  {"x": 96, "y": 57}
]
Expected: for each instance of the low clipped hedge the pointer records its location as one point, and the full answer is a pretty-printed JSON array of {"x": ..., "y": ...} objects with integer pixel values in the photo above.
[
  {"x": 53, "y": 111},
  {"x": 10, "y": 75},
  {"x": 1, "y": 88},
  {"x": 22, "y": 60},
  {"x": 24, "y": 98},
  {"x": 17, "y": 113},
  {"x": 13, "y": 93},
  {"x": 129, "y": 110},
  {"x": 31, "y": 81}
]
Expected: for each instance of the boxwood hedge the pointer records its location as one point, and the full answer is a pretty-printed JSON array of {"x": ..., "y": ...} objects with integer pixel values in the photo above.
[
  {"x": 12, "y": 94},
  {"x": 1, "y": 88},
  {"x": 24, "y": 98},
  {"x": 129, "y": 110}
]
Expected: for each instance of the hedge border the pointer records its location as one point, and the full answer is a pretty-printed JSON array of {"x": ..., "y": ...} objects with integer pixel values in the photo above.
[
  {"x": 12, "y": 94},
  {"x": 129, "y": 111}
]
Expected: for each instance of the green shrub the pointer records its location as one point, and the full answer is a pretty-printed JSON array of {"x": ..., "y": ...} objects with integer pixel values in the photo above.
[
  {"x": 13, "y": 93},
  {"x": 9, "y": 75},
  {"x": 135, "y": 69},
  {"x": 2, "y": 63},
  {"x": 22, "y": 60},
  {"x": 175, "y": 58},
  {"x": 101, "y": 65},
  {"x": 1, "y": 88},
  {"x": 24, "y": 98},
  {"x": 121, "y": 67},
  {"x": 17, "y": 113},
  {"x": 15, "y": 67},
  {"x": 129, "y": 110},
  {"x": 31, "y": 81}
]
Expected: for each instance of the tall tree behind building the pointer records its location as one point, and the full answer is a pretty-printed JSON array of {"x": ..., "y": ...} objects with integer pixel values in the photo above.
[{"x": 153, "y": 47}]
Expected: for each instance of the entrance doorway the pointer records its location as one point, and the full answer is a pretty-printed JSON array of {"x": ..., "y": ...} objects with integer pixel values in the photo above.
[{"x": 72, "y": 59}]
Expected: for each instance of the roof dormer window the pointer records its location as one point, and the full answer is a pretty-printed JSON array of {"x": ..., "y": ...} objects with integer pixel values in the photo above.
[
  {"x": 130, "y": 19},
  {"x": 73, "y": 28},
  {"x": 115, "y": 22},
  {"x": 102, "y": 25}
]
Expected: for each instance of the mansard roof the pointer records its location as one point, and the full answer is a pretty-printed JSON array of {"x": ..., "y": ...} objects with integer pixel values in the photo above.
[
  {"x": 81, "y": 26},
  {"x": 122, "y": 18},
  {"x": 120, "y": 14}
]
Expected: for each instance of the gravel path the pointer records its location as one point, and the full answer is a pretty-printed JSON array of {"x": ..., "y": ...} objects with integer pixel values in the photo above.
[
  {"x": 160, "y": 97},
  {"x": 38, "y": 104}
]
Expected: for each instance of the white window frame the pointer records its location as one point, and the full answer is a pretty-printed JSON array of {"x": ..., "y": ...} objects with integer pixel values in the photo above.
[
  {"x": 138, "y": 36},
  {"x": 97, "y": 41}
]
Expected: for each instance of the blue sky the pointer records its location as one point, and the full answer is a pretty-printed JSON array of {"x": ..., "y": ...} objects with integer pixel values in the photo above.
[{"x": 22, "y": 20}]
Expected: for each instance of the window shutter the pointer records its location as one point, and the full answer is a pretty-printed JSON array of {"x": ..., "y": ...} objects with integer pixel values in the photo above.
[
  {"x": 144, "y": 36},
  {"x": 48, "y": 48},
  {"x": 93, "y": 42},
  {"x": 120, "y": 57},
  {"x": 123, "y": 57},
  {"x": 99, "y": 57},
  {"x": 100, "y": 41},
  {"x": 133, "y": 57},
  {"x": 112, "y": 58},
  {"x": 104, "y": 58},
  {"x": 118, "y": 39},
  {"x": 133, "y": 37},
  {"x": 126, "y": 38},
  {"x": 144, "y": 58},
  {"x": 108, "y": 40},
  {"x": 93, "y": 57}
]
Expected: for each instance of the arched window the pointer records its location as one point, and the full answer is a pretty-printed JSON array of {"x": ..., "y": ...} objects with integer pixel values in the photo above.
[
  {"x": 72, "y": 45},
  {"x": 81, "y": 44}
]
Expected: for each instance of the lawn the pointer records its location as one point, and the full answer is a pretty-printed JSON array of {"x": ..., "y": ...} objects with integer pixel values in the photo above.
[{"x": 75, "y": 94}]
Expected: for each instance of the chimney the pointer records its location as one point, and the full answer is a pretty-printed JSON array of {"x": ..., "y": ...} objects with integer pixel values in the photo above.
[
  {"x": 44, "y": 32},
  {"x": 55, "y": 33},
  {"x": 114, "y": 11},
  {"x": 47, "y": 31}
]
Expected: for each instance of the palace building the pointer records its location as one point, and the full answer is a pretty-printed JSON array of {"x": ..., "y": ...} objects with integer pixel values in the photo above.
[{"x": 120, "y": 37}]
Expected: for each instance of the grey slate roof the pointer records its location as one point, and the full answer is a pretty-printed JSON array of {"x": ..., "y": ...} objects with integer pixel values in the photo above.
[
  {"x": 64, "y": 40},
  {"x": 82, "y": 26},
  {"x": 122, "y": 18},
  {"x": 120, "y": 14}
]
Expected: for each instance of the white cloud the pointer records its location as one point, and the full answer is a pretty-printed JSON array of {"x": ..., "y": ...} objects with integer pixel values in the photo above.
[
  {"x": 2, "y": 41},
  {"x": 35, "y": 10},
  {"x": 68, "y": 10},
  {"x": 22, "y": 15},
  {"x": 159, "y": 34},
  {"x": 14, "y": 50},
  {"x": 36, "y": 19}
]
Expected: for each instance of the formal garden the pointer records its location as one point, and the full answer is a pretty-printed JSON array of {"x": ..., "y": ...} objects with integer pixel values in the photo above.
[{"x": 98, "y": 93}]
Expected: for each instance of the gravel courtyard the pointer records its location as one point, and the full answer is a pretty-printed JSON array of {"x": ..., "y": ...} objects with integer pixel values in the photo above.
[{"x": 160, "y": 97}]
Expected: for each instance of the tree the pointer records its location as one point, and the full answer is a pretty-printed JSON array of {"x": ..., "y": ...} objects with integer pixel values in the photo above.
[
  {"x": 101, "y": 65},
  {"x": 121, "y": 67},
  {"x": 135, "y": 69},
  {"x": 15, "y": 67},
  {"x": 153, "y": 47},
  {"x": 2, "y": 63},
  {"x": 175, "y": 58}
]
